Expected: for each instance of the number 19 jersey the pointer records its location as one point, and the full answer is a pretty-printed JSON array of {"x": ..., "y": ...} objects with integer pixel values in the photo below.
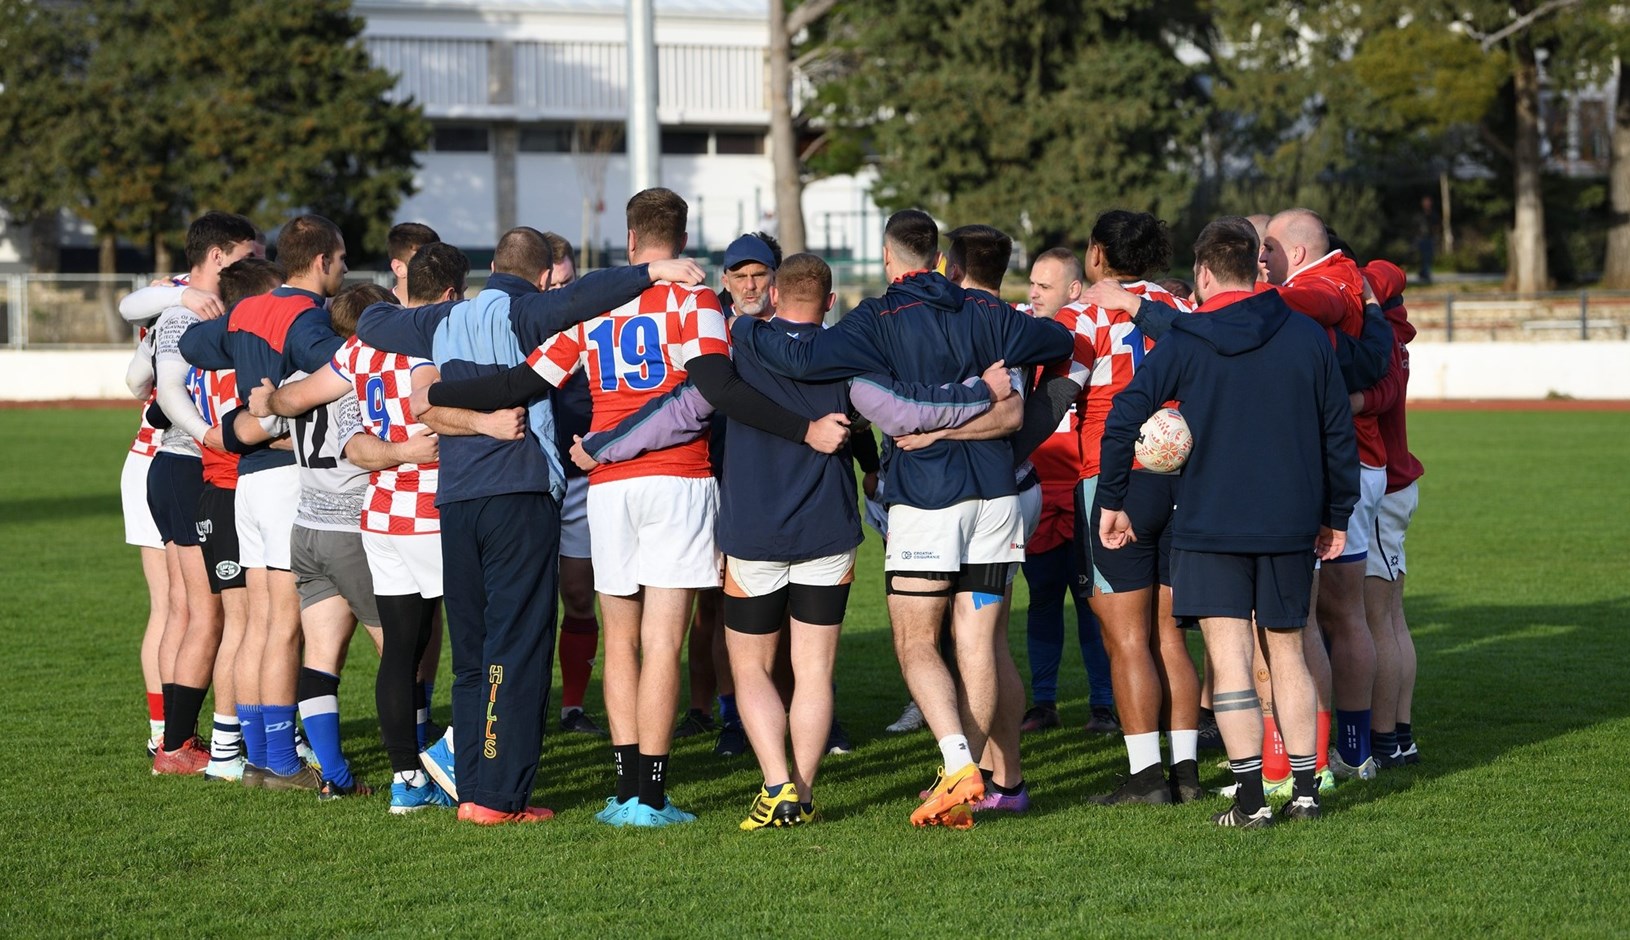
[{"x": 634, "y": 354}]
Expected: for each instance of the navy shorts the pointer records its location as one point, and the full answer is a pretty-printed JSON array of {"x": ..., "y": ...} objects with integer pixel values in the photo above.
[
  {"x": 174, "y": 484},
  {"x": 1275, "y": 588},
  {"x": 1151, "y": 498},
  {"x": 218, "y": 536}
]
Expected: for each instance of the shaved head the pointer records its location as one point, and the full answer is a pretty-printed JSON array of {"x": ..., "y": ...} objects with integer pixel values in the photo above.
[
  {"x": 1260, "y": 223},
  {"x": 1294, "y": 239}
]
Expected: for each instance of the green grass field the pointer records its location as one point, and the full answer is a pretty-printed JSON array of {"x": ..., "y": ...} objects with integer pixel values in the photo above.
[{"x": 1514, "y": 823}]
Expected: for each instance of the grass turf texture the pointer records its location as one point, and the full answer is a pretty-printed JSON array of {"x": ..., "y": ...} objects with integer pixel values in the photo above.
[{"x": 1513, "y": 823}]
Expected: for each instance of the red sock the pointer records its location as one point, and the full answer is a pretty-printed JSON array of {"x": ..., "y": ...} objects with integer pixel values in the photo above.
[
  {"x": 1321, "y": 751},
  {"x": 1275, "y": 762},
  {"x": 155, "y": 706},
  {"x": 579, "y": 638}
]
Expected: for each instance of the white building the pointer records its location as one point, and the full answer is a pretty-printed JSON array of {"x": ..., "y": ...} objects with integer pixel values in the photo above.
[{"x": 528, "y": 102}]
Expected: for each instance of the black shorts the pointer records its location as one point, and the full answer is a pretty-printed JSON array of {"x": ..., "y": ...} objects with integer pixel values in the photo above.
[
  {"x": 1275, "y": 588},
  {"x": 822, "y": 604},
  {"x": 173, "y": 485},
  {"x": 218, "y": 536},
  {"x": 1151, "y": 498}
]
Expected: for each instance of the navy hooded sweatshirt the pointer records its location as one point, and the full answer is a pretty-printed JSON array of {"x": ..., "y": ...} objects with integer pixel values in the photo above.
[
  {"x": 1274, "y": 454},
  {"x": 927, "y": 330}
]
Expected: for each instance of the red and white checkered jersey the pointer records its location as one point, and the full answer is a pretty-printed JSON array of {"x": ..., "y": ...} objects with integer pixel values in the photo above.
[
  {"x": 1108, "y": 350},
  {"x": 216, "y": 394},
  {"x": 401, "y": 499},
  {"x": 634, "y": 354},
  {"x": 146, "y": 442}
]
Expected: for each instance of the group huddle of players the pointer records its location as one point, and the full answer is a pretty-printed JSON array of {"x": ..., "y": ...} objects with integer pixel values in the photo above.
[{"x": 314, "y": 455}]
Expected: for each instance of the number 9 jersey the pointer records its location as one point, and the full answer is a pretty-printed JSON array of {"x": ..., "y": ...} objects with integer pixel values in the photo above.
[
  {"x": 634, "y": 354},
  {"x": 401, "y": 499}
]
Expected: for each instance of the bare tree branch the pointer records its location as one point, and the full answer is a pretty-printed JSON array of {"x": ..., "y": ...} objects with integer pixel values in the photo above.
[
  {"x": 1490, "y": 40},
  {"x": 807, "y": 14}
]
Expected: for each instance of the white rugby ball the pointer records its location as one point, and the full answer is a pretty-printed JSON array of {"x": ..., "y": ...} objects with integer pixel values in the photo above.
[{"x": 1164, "y": 441}]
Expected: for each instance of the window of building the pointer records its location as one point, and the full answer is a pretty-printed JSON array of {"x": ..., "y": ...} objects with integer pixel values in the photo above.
[
  {"x": 545, "y": 139},
  {"x": 739, "y": 142},
  {"x": 683, "y": 142},
  {"x": 459, "y": 138}
]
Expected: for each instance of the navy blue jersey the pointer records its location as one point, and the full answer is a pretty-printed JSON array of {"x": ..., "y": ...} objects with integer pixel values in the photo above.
[{"x": 925, "y": 330}]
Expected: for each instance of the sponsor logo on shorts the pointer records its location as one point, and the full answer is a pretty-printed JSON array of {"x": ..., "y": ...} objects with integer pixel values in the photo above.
[
  {"x": 1016, "y": 546},
  {"x": 919, "y": 556},
  {"x": 204, "y": 527},
  {"x": 227, "y": 570}
]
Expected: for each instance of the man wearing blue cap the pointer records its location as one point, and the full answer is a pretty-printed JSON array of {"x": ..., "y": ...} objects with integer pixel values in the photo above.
[{"x": 749, "y": 271}]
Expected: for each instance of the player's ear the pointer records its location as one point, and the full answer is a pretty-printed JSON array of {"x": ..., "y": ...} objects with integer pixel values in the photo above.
[
  {"x": 775, "y": 296},
  {"x": 684, "y": 239},
  {"x": 830, "y": 300},
  {"x": 630, "y": 243},
  {"x": 1076, "y": 290},
  {"x": 398, "y": 269}
]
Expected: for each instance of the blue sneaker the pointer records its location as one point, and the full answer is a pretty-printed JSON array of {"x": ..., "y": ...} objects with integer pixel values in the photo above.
[
  {"x": 668, "y": 815},
  {"x": 408, "y": 799},
  {"x": 437, "y": 760},
  {"x": 615, "y": 808}
]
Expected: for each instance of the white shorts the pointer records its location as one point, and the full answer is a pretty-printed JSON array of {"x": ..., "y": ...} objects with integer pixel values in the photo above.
[
  {"x": 1391, "y": 523},
  {"x": 140, "y": 529},
  {"x": 404, "y": 564},
  {"x": 265, "y": 505},
  {"x": 1372, "y": 485},
  {"x": 1030, "y": 513},
  {"x": 972, "y": 532},
  {"x": 574, "y": 519},
  {"x": 746, "y": 578},
  {"x": 653, "y": 532}
]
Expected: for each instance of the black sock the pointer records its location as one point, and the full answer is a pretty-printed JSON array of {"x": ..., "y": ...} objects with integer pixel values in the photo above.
[
  {"x": 1303, "y": 769},
  {"x": 1207, "y": 716},
  {"x": 167, "y": 692},
  {"x": 1008, "y": 791},
  {"x": 181, "y": 714},
  {"x": 1248, "y": 775},
  {"x": 625, "y": 758},
  {"x": 405, "y": 629},
  {"x": 989, "y": 775},
  {"x": 1383, "y": 743},
  {"x": 653, "y": 780},
  {"x": 1406, "y": 739}
]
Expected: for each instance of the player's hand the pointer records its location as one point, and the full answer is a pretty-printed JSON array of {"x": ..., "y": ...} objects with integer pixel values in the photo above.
[
  {"x": 828, "y": 434},
  {"x": 1355, "y": 401},
  {"x": 260, "y": 399},
  {"x": 1110, "y": 295},
  {"x": 917, "y": 441},
  {"x": 1329, "y": 544},
  {"x": 507, "y": 424},
  {"x": 1369, "y": 292},
  {"x": 997, "y": 380},
  {"x": 679, "y": 270},
  {"x": 206, "y": 304},
  {"x": 1115, "y": 529},
  {"x": 213, "y": 439},
  {"x": 580, "y": 456},
  {"x": 419, "y": 402},
  {"x": 282, "y": 443},
  {"x": 422, "y": 447},
  {"x": 868, "y": 485}
]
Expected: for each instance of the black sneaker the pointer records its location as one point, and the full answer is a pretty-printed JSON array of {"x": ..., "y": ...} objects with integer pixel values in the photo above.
[
  {"x": 732, "y": 740},
  {"x": 333, "y": 791},
  {"x": 1039, "y": 718},
  {"x": 1184, "y": 780},
  {"x": 580, "y": 723},
  {"x": 695, "y": 722},
  {"x": 1235, "y": 818},
  {"x": 1390, "y": 761},
  {"x": 1210, "y": 736},
  {"x": 1411, "y": 755},
  {"x": 1146, "y": 786},
  {"x": 1103, "y": 721},
  {"x": 837, "y": 740},
  {"x": 1301, "y": 807}
]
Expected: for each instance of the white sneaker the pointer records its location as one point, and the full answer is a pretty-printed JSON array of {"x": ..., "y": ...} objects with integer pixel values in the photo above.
[
  {"x": 225, "y": 769},
  {"x": 1345, "y": 771},
  {"x": 910, "y": 720}
]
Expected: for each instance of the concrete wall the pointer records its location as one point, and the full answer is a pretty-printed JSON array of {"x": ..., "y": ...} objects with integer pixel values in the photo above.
[{"x": 1592, "y": 370}]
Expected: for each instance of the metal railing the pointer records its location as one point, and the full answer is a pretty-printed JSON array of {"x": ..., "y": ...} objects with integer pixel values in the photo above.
[{"x": 54, "y": 311}]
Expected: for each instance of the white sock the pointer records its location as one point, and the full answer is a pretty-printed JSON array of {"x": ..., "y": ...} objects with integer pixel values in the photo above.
[
  {"x": 566, "y": 713},
  {"x": 1143, "y": 750},
  {"x": 954, "y": 752},
  {"x": 225, "y": 738},
  {"x": 156, "y": 727},
  {"x": 413, "y": 778},
  {"x": 1185, "y": 745}
]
